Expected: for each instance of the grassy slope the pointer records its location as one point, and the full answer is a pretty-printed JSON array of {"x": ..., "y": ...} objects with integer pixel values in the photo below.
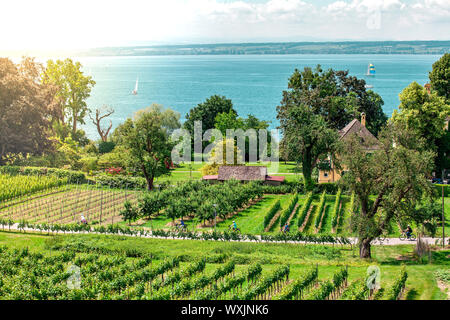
[{"x": 421, "y": 283}]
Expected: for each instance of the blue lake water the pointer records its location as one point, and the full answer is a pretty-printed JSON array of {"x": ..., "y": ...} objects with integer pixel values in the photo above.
[{"x": 253, "y": 82}]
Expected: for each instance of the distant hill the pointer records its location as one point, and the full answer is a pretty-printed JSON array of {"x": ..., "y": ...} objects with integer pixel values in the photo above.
[{"x": 362, "y": 47}]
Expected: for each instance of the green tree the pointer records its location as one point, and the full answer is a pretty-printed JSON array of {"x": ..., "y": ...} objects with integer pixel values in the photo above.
[
  {"x": 26, "y": 107},
  {"x": 307, "y": 137},
  {"x": 440, "y": 77},
  {"x": 207, "y": 111},
  {"x": 73, "y": 90},
  {"x": 425, "y": 113},
  {"x": 395, "y": 173},
  {"x": 336, "y": 96},
  {"x": 147, "y": 140}
]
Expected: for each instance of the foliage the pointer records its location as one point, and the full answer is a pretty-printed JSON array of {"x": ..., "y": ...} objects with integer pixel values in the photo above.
[
  {"x": 394, "y": 292},
  {"x": 206, "y": 112},
  {"x": 304, "y": 210},
  {"x": 71, "y": 176},
  {"x": 288, "y": 211},
  {"x": 396, "y": 173},
  {"x": 440, "y": 77},
  {"x": 306, "y": 137},
  {"x": 26, "y": 109},
  {"x": 16, "y": 186},
  {"x": 73, "y": 90},
  {"x": 295, "y": 289},
  {"x": 319, "y": 210},
  {"x": 273, "y": 210},
  {"x": 147, "y": 141},
  {"x": 336, "y": 209}
]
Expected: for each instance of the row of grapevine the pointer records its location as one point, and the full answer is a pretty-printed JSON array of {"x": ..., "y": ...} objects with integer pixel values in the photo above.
[
  {"x": 336, "y": 208},
  {"x": 285, "y": 215},
  {"x": 265, "y": 286},
  {"x": 320, "y": 210},
  {"x": 295, "y": 290},
  {"x": 304, "y": 210},
  {"x": 396, "y": 290},
  {"x": 16, "y": 186},
  {"x": 330, "y": 289},
  {"x": 273, "y": 210}
]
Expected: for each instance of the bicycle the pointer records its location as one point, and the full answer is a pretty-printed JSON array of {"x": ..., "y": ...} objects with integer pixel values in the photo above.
[
  {"x": 237, "y": 230},
  {"x": 403, "y": 237},
  {"x": 180, "y": 228}
]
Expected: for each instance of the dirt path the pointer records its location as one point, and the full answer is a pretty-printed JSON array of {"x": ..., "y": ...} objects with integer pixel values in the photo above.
[
  {"x": 272, "y": 222},
  {"x": 293, "y": 213},
  {"x": 311, "y": 207}
]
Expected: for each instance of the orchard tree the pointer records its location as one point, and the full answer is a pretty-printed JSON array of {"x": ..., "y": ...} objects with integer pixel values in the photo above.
[
  {"x": 73, "y": 90},
  {"x": 395, "y": 173},
  {"x": 306, "y": 137},
  {"x": 147, "y": 140},
  {"x": 26, "y": 108},
  {"x": 440, "y": 77}
]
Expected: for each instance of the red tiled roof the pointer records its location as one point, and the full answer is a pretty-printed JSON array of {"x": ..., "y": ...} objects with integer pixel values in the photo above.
[{"x": 275, "y": 178}]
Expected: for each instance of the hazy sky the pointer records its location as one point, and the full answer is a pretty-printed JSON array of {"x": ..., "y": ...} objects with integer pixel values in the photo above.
[{"x": 70, "y": 24}]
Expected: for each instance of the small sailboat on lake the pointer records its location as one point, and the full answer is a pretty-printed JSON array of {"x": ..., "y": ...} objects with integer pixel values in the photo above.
[
  {"x": 135, "y": 91},
  {"x": 371, "y": 70}
]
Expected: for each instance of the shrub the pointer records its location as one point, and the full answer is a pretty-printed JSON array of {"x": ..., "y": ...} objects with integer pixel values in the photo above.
[{"x": 106, "y": 147}]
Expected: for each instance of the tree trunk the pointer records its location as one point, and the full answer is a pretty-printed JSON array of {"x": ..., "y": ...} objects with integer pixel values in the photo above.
[
  {"x": 365, "y": 248},
  {"x": 307, "y": 172},
  {"x": 149, "y": 182},
  {"x": 74, "y": 124}
]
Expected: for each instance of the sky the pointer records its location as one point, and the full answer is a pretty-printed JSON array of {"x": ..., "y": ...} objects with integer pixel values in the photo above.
[{"x": 82, "y": 24}]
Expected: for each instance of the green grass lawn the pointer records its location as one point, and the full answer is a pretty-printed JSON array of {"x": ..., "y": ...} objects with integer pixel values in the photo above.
[{"x": 421, "y": 283}]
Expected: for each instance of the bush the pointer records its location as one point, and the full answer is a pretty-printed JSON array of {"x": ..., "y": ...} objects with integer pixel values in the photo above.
[
  {"x": 121, "y": 182},
  {"x": 106, "y": 147},
  {"x": 329, "y": 188},
  {"x": 72, "y": 176},
  {"x": 438, "y": 188}
]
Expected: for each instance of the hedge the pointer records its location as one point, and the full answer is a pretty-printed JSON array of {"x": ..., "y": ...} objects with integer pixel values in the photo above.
[
  {"x": 72, "y": 176},
  {"x": 271, "y": 213},
  {"x": 121, "y": 182}
]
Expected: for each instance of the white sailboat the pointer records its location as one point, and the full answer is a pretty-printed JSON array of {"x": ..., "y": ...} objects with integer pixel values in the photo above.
[{"x": 135, "y": 91}]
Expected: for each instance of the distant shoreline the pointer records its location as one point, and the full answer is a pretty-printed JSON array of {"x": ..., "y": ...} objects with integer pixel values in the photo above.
[{"x": 282, "y": 48}]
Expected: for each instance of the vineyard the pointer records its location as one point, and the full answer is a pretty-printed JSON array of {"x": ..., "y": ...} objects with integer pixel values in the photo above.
[
  {"x": 51, "y": 201},
  {"x": 90, "y": 273},
  {"x": 65, "y": 205}
]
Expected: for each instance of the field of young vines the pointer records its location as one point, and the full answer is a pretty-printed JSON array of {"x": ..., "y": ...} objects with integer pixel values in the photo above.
[
  {"x": 65, "y": 205},
  {"x": 74, "y": 273}
]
